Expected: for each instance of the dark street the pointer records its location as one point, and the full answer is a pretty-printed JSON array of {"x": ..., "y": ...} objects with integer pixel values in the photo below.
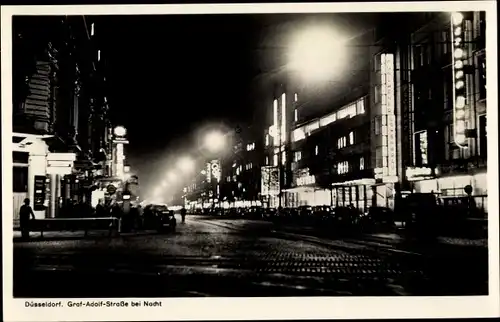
[{"x": 235, "y": 257}]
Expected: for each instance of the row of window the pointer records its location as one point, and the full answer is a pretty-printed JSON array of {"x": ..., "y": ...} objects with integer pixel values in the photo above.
[
  {"x": 344, "y": 141},
  {"x": 251, "y": 146},
  {"x": 346, "y": 166},
  {"x": 351, "y": 110}
]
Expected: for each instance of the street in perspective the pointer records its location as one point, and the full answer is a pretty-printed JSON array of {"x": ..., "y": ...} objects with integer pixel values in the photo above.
[{"x": 250, "y": 155}]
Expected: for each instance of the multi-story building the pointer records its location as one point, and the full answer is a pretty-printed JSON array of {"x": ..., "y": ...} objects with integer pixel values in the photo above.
[
  {"x": 318, "y": 146},
  {"x": 429, "y": 111},
  {"x": 61, "y": 131},
  {"x": 241, "y": 169}
]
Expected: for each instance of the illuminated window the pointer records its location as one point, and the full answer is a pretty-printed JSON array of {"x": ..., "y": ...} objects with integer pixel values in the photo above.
[
  {"x": 275, "y": 160},
  {"x": 297, "y": 156},
  {"x": 251, "y": 147},
  {"x": 283, "y": 157},
  {"x": 98, "y": 55},
  {"x": 377, "y": 95},
  {"x": 343, "y": 167},
  {"x": 351, "y": 138},
  {"x": 360, "y": 106},
  {"x": 316, "y": 150},
  {"x": 324, "y": 121},
  {"x": 298, "y": 134},
  {"x": 483, "y": 136},
  {"x": 296, "y": 97},
  {"x": 377, "y": 125},
  {"x": 361, "y": 163},
  {"x": 267, "y": 139},
  {"x": 296, "y": 115},
  {"x": 421, "y": 148},
  {"x": 351, "y": 110},
  {"x": 92, "y": 29},
  {"x": 267, "y": 160},
  {"x": 342, "y": 142},
  {"x": 312, "y": 127}
]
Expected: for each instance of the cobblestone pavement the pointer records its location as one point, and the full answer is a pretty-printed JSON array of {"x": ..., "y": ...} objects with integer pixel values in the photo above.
[{"x": 215, "y": 258}]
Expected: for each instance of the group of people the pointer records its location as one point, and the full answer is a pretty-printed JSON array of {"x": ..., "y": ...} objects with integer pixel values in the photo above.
[{"x": 130, "y": 220}]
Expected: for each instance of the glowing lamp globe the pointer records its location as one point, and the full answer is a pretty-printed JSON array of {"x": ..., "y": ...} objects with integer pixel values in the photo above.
[{"x": 120, "y": 131}]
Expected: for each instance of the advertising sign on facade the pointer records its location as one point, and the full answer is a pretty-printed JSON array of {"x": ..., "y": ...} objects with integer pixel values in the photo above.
[
  {"x": 39, "y": 196},
  {"x": 304, "y": 178},
  {"x": 388, "y": 117},
  {"x": 215, "y": 169},
  {"x": 269, "y": 181}
]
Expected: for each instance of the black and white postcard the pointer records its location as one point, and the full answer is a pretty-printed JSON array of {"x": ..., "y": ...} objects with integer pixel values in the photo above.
[{"x": 250, "y": 161}]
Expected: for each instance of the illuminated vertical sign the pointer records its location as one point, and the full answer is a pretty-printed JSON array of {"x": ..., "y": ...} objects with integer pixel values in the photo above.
[
  {"x": 388, "y": 116},
  {"x": 119, "y": 160},
  {"x": 209, "y": 172},
  {"x": 215, "y": 170},
  {"x": 283, "y": 118},
  {"x": 269, "y": 180},
  {"x": 458, "y": 79},
  {"x": 275, "y": 128}
]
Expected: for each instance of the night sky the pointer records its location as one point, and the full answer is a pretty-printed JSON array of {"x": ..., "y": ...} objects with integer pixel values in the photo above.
[{"x": 170, "y": 75}]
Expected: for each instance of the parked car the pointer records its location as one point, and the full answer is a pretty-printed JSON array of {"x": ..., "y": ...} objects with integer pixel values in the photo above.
[{"x": 165, "y": 219}]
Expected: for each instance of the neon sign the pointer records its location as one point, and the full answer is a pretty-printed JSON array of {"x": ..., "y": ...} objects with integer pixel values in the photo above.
[
  {"x": 458, "y": 79},
  {"x": 283, "y": 118},
  {"x": 388, "y": 116}
]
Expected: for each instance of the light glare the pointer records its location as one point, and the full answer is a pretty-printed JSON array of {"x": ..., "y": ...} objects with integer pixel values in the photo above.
[
  {"x": 317, "y": 53},
  {"x": 215, "y": 141},
  {"x": 186, "y": 164}
]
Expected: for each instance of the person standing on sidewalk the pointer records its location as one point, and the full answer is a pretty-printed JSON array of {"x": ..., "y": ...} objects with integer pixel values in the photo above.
[
  {"x": 183, "y": 214},
  {"x": 24, "y": 214}
]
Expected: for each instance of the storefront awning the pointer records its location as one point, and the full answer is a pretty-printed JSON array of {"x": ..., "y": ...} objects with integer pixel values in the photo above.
[{"x": 357, "y": 182}]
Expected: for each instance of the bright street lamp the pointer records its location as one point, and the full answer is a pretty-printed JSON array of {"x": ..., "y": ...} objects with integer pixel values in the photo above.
[
  {"x": 186, "y": 164},
  {"x": 317, "y": 53},
  {"x": 120, "y": 131},
  {"x": 215, "y": 141},
  {"x": 172, "y": 176}
]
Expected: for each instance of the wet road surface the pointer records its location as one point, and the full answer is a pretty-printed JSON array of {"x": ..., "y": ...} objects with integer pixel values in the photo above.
[{"x": 225, "y": 258}]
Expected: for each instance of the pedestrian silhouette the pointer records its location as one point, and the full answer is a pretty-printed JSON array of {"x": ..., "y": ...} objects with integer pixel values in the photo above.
[
  {"x": 183, "y": 214},
  {"x": 24, "y": 215}
]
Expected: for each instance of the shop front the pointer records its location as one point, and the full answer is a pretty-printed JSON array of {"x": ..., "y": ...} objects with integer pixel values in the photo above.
[
  {"x": 356, "y": 193},
  {"x": 454, "y": 186}
]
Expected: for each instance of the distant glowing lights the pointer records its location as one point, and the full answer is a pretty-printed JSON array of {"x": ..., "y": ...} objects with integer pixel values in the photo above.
[
  {"x": 458, "y": 53},
  {"x": 459, "y": 64},
  {"x": 457, "y": 18}
]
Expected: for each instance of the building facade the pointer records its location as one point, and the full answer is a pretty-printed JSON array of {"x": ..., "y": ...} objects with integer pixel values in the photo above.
[
  {"x": 318, "y": 144},
  {"x": 61, "y": 137},
  {"x": 429, "y": 97}
]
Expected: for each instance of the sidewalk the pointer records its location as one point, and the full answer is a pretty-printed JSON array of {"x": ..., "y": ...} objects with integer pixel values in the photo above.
[{"x": 78, "y": 234}]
